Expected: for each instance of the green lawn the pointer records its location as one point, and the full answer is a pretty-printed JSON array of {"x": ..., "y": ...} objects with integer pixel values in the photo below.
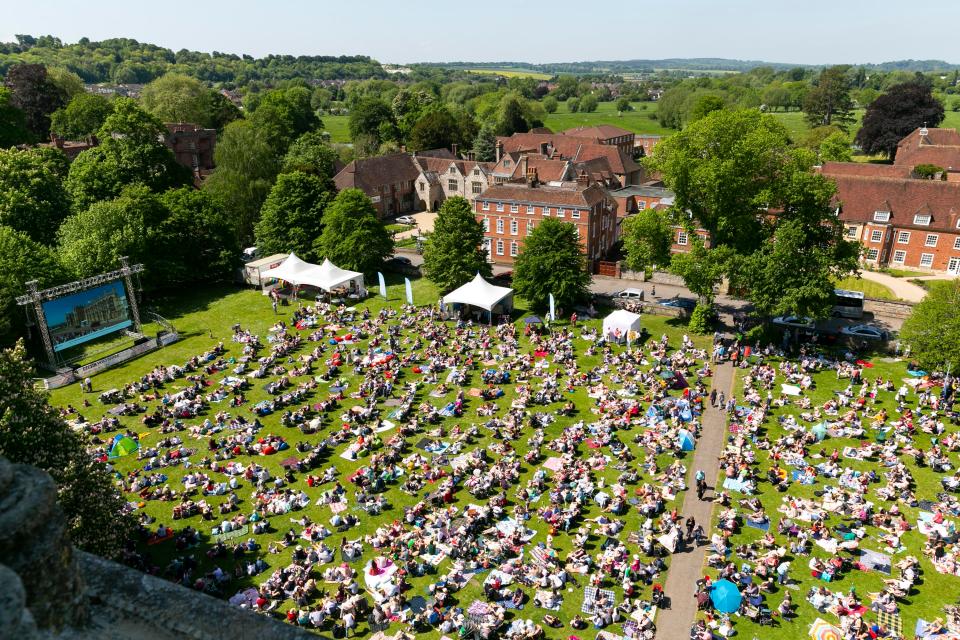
[
  {"x": 205, "y": 316},
  {"x": 338, "y": 127},
  {"x": 904, "y": 273},
  {"x": 933, "y": 591},
  {"x": 869, "y": 288},
  {"x": 639, "y": 120},
  {"x": 511, "y": 73}
]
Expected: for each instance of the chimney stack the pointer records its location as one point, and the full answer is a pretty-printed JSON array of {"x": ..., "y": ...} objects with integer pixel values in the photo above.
[
  {"x": 499, "y": 147},
  {"x": 453, "y": 149},
  {"x": 523, "y": 164},
  {"x": 543, "y": 148},
  {"x": 532, "y": 178},
  {"x": 583, "y": 180}
]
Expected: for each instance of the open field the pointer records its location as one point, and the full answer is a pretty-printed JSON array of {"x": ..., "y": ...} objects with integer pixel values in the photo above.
[
  {"x": 639, "y": 120},
  {"x": 338, "y": 127},
  {"x": 511, "y": 73},
  {"x": 205, "y": 316}
]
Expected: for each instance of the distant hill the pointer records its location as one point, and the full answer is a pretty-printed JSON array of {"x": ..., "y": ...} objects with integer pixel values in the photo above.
[{"x": 687, "y": 64}]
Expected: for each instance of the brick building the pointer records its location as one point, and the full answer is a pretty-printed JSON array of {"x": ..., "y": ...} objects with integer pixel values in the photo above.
[
  {"x": 644, "y": 144},
  {"x": 575, "y": 149},
  {"x": 902, "y": 220},
  {"x": 606, "y": 134},
  {"x": 637, "y": 198},
  {"x": 192, "y": 146},
  {"x": 445, "y": 177},
  {"x": 387, "y": 180},
  {"x": 510, "y": 211}
]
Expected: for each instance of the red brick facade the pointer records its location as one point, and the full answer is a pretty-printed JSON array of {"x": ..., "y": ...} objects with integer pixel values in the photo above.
[{"x": 509, "y": 212}]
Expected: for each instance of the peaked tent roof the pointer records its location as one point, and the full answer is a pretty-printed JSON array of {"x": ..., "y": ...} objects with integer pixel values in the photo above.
[
  {"x": 329, "y": 275},
  {"x": 478, "y": 293},
  {"x": 291, "y": 270}
]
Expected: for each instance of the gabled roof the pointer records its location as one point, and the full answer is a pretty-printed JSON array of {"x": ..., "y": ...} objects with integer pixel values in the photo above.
[
  {"x": 599, "y": 132},
  {"x": 571, "y": 148},
  {"x": 567, "y": 195},
  {"x": 370, "y": 173},
  {"x": 441, "y": 166},
  {"x": 477, "y": 293},
  {"x": 860, "y": 197}
]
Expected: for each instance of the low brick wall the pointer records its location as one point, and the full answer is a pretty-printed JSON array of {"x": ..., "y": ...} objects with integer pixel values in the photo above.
[{"x": 648, "y": 307}]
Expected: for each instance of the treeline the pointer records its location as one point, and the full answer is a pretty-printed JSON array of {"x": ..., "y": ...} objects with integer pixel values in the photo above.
[{"x": 127, "y": 61}]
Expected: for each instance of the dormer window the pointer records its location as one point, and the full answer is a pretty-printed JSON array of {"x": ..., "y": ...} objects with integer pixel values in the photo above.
[
  {"x": 921, "y": 219},
  {"x": 453, "y": 169},
  {"x": 881, "y": 216},
  {"x": 506, "y": 163}
]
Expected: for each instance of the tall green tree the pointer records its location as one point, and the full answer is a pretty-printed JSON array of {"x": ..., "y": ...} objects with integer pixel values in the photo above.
[
  {"x": 836, "y": 148},
  {"x": 371, "y": 117},
  {"x": 829, "y": 101},
  {"x": 723, "y": 169},
  {"x": 647, "y": 238},
  {"x": 195, "y": 241},
  {"x": 32, "y": 432},
  {"x": 22, "y": 260},
  {"x": 310, "y": 153},
  {"x": 246, "y": 170},
  {"x": 283, "y": 115},
  {"x": 552, "y": 261},
  {"x": 174, "y": 97},
  {"x": 704, "y": 105},
  {"x": 353, "y": 237},
  {"x": 32, "y": 197},
  {"x": 510, "y": 119},
  {"x": 485, "y": 144},
  {"x": 82, "y": 117},
  {"x": 933, "y": 329},
  {"x": 131, "y": 151},
  {"x": 36, "y": 95},
  {"x": 896, "y": 113},
  {"x": 453, "y": 253},
  {"x": 13, "y": 121},
  {"x": 92, "y": 241},
  {"x": 439, "y": 129},
  {"x": 702, "y": 269},
  {"x": 292, "y": 215}
]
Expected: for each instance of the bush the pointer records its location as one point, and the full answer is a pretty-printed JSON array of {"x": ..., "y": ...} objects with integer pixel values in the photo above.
[{"x": 702, "y": 318}]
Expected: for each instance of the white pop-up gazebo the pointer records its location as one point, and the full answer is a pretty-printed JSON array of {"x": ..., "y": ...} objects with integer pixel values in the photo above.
[
  {"x": 618, "y": 325},
  {"x": 481, "y": 294},
  {"x": 326, "y": 276}
]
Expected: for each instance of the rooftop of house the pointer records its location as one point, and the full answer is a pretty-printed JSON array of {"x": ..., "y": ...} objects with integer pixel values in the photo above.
[
  {"x": 572, "y": 194},
  {"x": 599, "y": 132},
  {"x": 368, "y": 174},
  {"x": 570, "y": 147},
  {"x": 860, "y": 197}
]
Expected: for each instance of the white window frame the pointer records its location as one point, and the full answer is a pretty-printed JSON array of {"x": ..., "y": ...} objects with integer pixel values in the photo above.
[
  {"x": 641, "y": 205},
  {"x": 499, "y": 206},
  {"x": 931, "y": 240},
  {"x": 903, "y": 237},
  {"x": 876, "y": 235},
  {"x": 922, "y": 219},
  {"x": 514, "y": 227},
  {"x": 872, "y": 254},
  {"x": 546, "y": 212},
  {"x": 575, "y": 214},
  {"x": 453, "y": 184},
  {"x": 500, "y": 225},
  {"x": 514, "y": 208},
  {"x": 881, "y": 216},
  {"x": 530, "y": 227},
  {"x": 956, "y": 243},
  {"x": 476, "y": 187},
  {"x": 531, "y": 209},
  {"x": 682, "y": 238},
  {"x": 486, "y": 205},
  {"x": 514, "y": 249},
  {"x": 486, "y": 225},
  {"x": 851, "y": 232},
  {"x": 561, "y": 213},
  {"x": 926, "y": 258},
  {"x": 899, "y": 256},
  {"x": 499, "y": 247}
]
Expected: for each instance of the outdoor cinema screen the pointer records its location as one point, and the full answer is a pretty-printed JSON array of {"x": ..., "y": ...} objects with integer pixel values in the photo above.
[{"x": 87, "y": 315}]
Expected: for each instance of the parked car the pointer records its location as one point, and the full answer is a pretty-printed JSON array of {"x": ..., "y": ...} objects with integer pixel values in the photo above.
[
  {"x": 630, "y": 294},
  {"x": 864, "y": 331},
  {"x": 681, "y": 303},
  {"x": 800, "y": 322},
  {"x": 407, "y": 220},
  {"x": 400, "y": 261}
]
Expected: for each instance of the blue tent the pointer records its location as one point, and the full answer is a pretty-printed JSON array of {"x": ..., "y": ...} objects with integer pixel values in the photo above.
[
  {"x": 725, "y": 596},
  {"x": 686, "y": 440}
]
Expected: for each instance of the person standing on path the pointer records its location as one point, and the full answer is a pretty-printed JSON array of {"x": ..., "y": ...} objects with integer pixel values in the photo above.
[
  {"x": 701, "y": 478},
  {"x": 721, "y": 401}
]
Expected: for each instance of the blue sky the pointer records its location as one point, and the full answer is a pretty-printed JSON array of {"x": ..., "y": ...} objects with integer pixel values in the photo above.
[{"x": 808, "y": 31}]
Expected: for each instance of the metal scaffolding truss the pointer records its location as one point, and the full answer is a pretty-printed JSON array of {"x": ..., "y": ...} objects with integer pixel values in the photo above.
[{"x": 79, "y": 285}]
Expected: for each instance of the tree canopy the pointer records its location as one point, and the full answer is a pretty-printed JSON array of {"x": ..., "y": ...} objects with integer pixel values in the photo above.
[
  {"x": 36, "y": 95},
  {"x": 453, "y": 253},
  {"x": 283, "y": 115},
  {"x": 13, "y": 122},
  {"x": 647, "y": 237},
  {"x": 829, "y": 101},
  {"x": 310, "y": 153},
  {"x": 195, "y": 241},
  {"x": 292, "y": 215},
  {"x": 82, "y": 117},
  {"x": 32, "y": 432},
  {"x": 353, "y": 237},
  {"x": 21, "y": 260},
  {"x": 933, "y": 329},
  {"x": 32, "y": 197},
  {"x": 552, "y": 261},
  {"x": 896, "y": 113}
]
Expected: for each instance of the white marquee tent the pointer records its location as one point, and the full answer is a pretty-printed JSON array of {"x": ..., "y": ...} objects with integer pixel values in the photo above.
[
  {"x": 620, "y": 320},
  {"x": 326, "y": 276},
  {"x": 480, "y": 293}
]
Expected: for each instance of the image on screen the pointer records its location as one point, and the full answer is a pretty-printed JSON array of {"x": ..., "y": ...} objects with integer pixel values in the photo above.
[{"x": 87, "y": 315}]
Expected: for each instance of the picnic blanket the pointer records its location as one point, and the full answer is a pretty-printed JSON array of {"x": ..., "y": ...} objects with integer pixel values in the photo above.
[
  {"x": 736, "y": 485},
  {"x": 554, "y": 464},
  {"x": 891, "y": 621},
  {"x": 590, "y": 597},
  {"x": 542, "y": 597},
  {"x": 876, "y": 561},
  {"x": 508, "y": 525},
  {"x": 790, "y": 389},
  {"x": 229, "y": 535}
]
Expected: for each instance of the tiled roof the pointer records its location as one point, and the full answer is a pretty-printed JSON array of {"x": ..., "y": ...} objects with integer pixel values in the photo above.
[
  {"x": 864, "y": 169},
  {"x": 441, "y": 166},
  {"x": 940, "y": 147},
  {"x": 572, "y": 195},
  {"x": 861, "y": 196},
  {"x": 369, "y": 173},
  {"x": 600, "y": 132},
  {"x": 571, "y": 148}
]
